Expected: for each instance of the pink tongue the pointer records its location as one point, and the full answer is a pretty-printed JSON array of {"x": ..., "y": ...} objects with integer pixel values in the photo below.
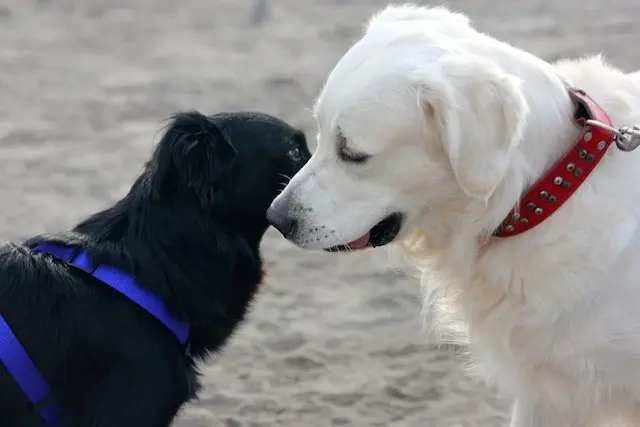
[{"x": 359, "y": 243}]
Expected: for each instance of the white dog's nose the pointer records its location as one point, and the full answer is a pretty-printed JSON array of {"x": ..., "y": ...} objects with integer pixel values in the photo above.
[{"x": 281, "y": 220}]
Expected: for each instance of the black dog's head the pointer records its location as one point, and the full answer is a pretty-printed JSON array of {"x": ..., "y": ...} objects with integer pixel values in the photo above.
[{"x": 230, "y": 165}]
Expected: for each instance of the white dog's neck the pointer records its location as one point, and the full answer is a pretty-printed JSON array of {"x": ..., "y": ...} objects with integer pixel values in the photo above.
[
  {"x": 546, "y": 137},
  {"x": 517, "y": 269}
]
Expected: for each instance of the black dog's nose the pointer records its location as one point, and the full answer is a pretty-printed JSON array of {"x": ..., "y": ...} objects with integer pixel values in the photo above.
[{"x": 282, "y": 222}]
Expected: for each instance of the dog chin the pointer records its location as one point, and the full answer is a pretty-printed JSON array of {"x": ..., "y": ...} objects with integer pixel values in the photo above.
[{"x": 381, "y": 234}]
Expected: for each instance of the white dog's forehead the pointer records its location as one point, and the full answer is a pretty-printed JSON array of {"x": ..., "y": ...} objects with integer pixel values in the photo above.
[
  {"x": 371, "y": 112},
  {"x": 371, "y": 96}
]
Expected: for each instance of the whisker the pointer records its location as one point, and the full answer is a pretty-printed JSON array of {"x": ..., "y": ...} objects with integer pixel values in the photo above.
[{"x": 287, "y": 177}]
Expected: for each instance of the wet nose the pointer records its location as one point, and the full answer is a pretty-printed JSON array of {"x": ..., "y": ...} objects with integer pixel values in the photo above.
[{"x": 283, "y": 222}]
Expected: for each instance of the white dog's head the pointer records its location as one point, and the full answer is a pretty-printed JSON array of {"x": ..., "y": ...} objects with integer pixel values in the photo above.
[{"x": 412, "y": 127}]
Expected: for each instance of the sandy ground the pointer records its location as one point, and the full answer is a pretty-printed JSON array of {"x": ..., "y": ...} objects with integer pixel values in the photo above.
[{"x": 333, "y": 340}]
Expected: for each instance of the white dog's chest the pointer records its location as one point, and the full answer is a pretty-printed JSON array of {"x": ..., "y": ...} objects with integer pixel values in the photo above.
[{"x": 558, "y": 349}]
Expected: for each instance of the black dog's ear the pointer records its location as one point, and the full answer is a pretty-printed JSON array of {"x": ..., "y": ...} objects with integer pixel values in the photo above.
[{"x": 192, "y": 154}]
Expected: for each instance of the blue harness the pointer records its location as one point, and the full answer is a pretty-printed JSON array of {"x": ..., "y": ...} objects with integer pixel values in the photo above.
[{"x": 18, "y": 363}]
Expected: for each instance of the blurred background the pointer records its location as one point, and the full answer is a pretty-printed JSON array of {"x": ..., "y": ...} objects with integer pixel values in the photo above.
[{"x": 334, "y": 340}]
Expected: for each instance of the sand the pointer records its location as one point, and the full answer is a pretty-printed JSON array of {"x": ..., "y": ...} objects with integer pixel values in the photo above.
[{"x": 333, "y": 340}]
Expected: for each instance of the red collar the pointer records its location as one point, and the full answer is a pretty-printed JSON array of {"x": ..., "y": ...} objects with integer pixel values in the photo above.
[{"x": 556, "y": 186}]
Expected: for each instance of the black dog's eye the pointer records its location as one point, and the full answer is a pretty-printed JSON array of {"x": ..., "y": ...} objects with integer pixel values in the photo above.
[
  {"x": 295, "y": 154},
  {"x": 348, "y": 155}
]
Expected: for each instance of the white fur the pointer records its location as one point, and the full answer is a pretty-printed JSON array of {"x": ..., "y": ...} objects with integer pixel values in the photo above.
[{"x": 458, "y": 125}]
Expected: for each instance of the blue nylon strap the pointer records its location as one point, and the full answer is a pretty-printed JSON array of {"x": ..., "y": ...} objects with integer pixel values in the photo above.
[
  {"x": 122, "y": 282},
  {"x": 18, "y": 363}
]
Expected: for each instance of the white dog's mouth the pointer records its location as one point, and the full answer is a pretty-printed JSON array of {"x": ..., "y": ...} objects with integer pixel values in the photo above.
[{"x": 381, "y": 234}]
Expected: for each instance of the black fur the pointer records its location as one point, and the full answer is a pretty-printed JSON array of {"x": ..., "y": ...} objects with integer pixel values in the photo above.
[{"x": 190, "y": 229}]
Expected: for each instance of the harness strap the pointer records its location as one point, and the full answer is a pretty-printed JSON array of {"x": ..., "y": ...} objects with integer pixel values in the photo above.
[
  {"x": 17, "y": 361},
  {"x": 14, "y": 357},
  {"x": 121, "y": 282}
]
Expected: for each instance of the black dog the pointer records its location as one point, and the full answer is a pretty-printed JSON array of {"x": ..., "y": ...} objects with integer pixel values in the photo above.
[{"x": 189, "y": 230}]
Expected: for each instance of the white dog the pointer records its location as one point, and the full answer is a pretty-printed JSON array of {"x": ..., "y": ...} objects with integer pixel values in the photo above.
[{"x": 430, "y": 133}]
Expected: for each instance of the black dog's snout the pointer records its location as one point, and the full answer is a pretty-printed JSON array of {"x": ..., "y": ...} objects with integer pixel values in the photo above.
[{"x": 284, "y": 223}]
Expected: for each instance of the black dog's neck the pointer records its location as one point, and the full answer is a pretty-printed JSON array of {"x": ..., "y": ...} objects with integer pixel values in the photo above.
[{"x": 204, "y": 270}]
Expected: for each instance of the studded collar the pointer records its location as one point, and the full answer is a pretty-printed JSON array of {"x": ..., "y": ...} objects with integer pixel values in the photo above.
[{"x": 555, "y": 187}]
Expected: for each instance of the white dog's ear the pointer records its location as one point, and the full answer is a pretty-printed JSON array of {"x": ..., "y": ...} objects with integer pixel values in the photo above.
[{"x": 480, "y": 113}]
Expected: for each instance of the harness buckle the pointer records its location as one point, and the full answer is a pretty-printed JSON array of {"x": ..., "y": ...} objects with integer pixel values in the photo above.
[{"x": 627, "y": 138}]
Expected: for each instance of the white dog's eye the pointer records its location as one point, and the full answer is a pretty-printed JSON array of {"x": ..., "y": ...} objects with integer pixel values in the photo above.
[{"x": 346, "y": 154}]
